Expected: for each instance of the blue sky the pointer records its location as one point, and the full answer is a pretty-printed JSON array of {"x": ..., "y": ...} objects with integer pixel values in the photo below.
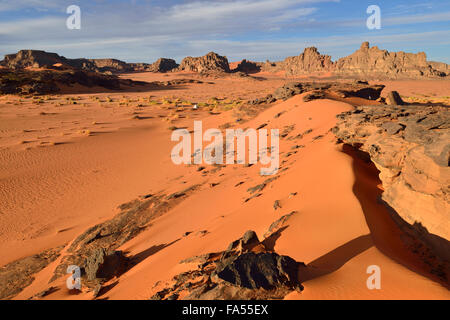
[{"x": 144, "y": 30}]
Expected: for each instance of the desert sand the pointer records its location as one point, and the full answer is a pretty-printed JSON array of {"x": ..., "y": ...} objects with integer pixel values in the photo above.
[{"x": 69, "y": 160}]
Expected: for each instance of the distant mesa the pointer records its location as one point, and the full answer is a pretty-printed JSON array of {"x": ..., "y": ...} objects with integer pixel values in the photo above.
[
  {"x": 310, "y": 61},
  {"x": 37, "y": 59},
  {"x": 366, "y": 62}
]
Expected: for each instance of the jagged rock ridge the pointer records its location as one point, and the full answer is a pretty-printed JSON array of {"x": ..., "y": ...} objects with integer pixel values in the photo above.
[
  {"x": 372, "y": 61},
  {"x": 210, "y": 62},
  {"x": 367, "y": 62},
  {"x": 310, "y": 61}
]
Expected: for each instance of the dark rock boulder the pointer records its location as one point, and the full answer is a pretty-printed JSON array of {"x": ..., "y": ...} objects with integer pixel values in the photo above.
[
  {"x": 249, "y": 238},
  {"x": 246, "y": 270},
  {"x": 262, "y": 270}
]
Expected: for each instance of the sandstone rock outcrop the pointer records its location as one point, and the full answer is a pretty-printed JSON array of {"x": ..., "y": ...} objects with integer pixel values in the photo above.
[
  {"x": 248, "y": 67},
  {"x": 410, "y": 146},
  {"x": 374, "y": 62},
  {"x": 210, "y": 62},
  {"x": 310, "y": 61},
  {"x": 32, "y": 59},
  {"x": 394, "y": 99},
  {"x": 321, "y": 90},
  {"x": 367, "y": 62},
  {"x": 105, "y": 65},
  {"x": 440, "y": 66},
  {"x": 41, "y": 59},
  {"x": 163, "y": 65},
  {"x": 47, "y": 82}
]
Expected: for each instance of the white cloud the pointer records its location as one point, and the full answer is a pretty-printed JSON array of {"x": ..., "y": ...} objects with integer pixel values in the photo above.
[
  {"x": 417, "y": 18},
  {"x": 197, "y": 27},
  {"x": 211, "y": 10},
  {"x": 12, "y": 5},
  {"x": 26, "y": 27}
]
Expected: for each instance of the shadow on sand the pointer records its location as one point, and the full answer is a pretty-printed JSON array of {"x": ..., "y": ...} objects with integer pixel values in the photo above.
[
  {"x": 410, "y": 245},
  {"x": 335, "y": 259},
  {"x": 141, "y": 256}
]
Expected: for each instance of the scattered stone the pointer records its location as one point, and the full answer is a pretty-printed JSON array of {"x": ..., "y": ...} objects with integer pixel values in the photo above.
[
  {"x": 19, "y": 274},
  {"x": 103, "y": 266},
  {"x": 173, "y": 296},
  {"x": 257, "y": 188},
  {"x": 394, "y": 99},
  {"x": 276, "y": 205},
  {"x": 279, "y": 223}
]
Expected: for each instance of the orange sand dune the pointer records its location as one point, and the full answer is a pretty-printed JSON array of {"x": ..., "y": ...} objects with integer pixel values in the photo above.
[{"x": 50, "y": 195}]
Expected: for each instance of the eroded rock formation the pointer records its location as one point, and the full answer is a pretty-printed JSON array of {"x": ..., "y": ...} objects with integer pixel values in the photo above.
[
  {"x": 48, "y": 82},
  {"x": 310, "y": 61},
  {"x": 410, "y": 145},
  {"x": 248, "y": 67},
  {"x": 367, "y": 62},
  {"x": 374, "y": 62},
  {"x": 322, "y": 90},
  {"x": 210, "y": 62},
  {"x": 163, "y": 65},
  {"x": 41, "y": 59}
]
